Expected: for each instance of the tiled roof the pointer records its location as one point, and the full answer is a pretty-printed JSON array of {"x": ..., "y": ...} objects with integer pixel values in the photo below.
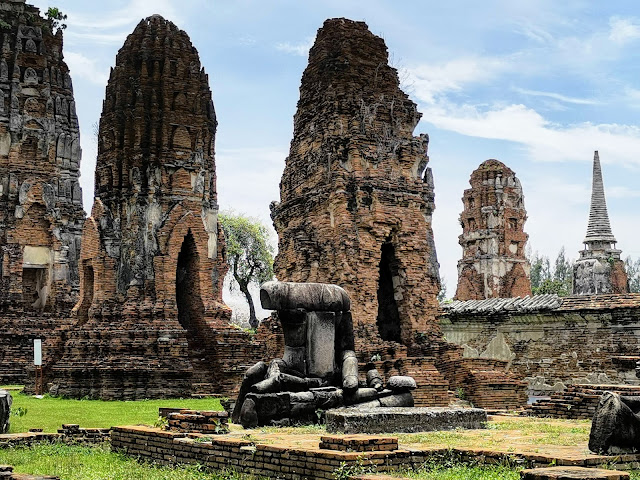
[
  {"x": 600, "y": 302},
  {"x": 543, "y": 303},
  {"x": 497, "y": 305}
]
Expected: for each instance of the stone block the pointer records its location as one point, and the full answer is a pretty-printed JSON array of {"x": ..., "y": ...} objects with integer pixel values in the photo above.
[{"x": 418, "y": 419}]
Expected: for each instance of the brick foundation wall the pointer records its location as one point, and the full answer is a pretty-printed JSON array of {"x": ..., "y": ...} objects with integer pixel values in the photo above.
[
  {"x": 577, "y": 402},
  {"x": 559, "y": 345}
]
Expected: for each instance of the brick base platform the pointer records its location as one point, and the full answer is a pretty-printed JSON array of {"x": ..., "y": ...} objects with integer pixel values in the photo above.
[
  {"x": 577, "y": 402},
  {"x": 572, "y": 473},
  {"x": 358, "y": 443},
  {"x": 294, "y": 456}
]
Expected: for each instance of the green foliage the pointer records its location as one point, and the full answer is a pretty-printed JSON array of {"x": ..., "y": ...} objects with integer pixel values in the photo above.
[
  {"x": 18, "y": 412},
  {"x": 558, "y": 287},
  {"x": 547, "y": 279},
  {"x": 633, "y": 273},
  {"x": 49, "y": 413},
  {"x": 4, "y": 25},
  {"x": 98, "y": 462},
  {"x": 345, "y": 471},
  {"x": 442, "y": 294},
  {"x": 162, "y": 423},
  {"x": 249, "y": 254},
  {"x": 56, "y": 18},
  {"x": 464, "y": 472}
]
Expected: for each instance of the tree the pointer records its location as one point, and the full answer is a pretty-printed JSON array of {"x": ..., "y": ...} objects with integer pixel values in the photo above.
[
  {"x": 56, "y": 18},
  {"x": 442, "y": 294},
  {"x": 249, "y": 255},
  {"x": 546, "y": 279},
  {"x": 633, "y": 273}
]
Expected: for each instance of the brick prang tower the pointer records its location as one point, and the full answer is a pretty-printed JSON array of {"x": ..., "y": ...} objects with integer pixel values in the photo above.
[
  {"x": 152, "y": 261},
  {"x": 356, "y": 196},
  {"x": 41, "y": 214},
  {"x": 493, "y": 240}
]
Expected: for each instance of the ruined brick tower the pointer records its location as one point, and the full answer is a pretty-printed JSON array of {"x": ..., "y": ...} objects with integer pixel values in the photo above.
[
  {"x": 493, "y": 240},
  {"x": 356, "y": 197},
  {"x": 599, "y": 268},
  {"x": 152, "y": 261},
  {"x": 41, "y": 212}
]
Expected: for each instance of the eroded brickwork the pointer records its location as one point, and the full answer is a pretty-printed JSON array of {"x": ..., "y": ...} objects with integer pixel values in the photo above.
[
  {"x": 41, "y": 214},
  {"x": 356, "y": 196},
  {"x": 493, "y": 241},
  {"x": 581, "y": 339},
  {"x": 150, "y": 314}
]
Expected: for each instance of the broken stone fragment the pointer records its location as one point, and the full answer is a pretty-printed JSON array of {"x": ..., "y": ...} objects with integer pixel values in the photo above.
[
  {"x": 616, "y": 425},
  {"x": 400, "y": 383},
  {"x": 374, "y": 379}
]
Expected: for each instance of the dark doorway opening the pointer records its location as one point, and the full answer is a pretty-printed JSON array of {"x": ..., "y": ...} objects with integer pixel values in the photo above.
[
  {"x": 388, "y": 317},
  {"x": 87, "y": 295},
  {"x": 34, "y": 288},
  {"x": 190, "y": 307}
]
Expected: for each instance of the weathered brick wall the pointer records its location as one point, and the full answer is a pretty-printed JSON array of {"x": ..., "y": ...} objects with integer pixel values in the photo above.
[
  {"x": 41, "y": 212},
  {"x": 356, "y": 195},
  {"x": 17, "y": 334},
  {"x": 560, "y": 345},
  {"x": 493, "y": 241},
  {"x": 260, "y": 460},
  {"x": 577, "y": 402}
]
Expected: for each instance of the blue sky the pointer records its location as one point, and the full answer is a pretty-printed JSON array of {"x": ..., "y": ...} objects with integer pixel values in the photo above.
[{"x": 538, "y": 85}]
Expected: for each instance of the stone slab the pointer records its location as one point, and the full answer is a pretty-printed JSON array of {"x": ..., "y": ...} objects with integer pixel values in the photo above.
[
  {"x": 572, "y": 473},
  {"x": 403, "y": 419}
]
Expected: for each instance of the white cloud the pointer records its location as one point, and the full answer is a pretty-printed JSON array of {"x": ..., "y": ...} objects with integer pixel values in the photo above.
[
  {"x": 545, "y": 141},
  {"x": 301, "y": 49},
  {"x": 622, "y": 192},
  {"x": 430, "y": 81},
  {"x": 623, "y": 30},
  {"x": 558, "y": 96},
  {"x": 133, "y": 12},
  {"x": 81, "y": 66}
]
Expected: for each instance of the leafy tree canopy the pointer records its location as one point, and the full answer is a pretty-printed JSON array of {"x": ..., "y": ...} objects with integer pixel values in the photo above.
[
  {"x": 249, "y": 254},
  {"x": 56, "y": 18}
]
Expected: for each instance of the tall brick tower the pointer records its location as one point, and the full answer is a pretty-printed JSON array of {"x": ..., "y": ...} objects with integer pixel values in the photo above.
[
  {"x": 493, "y": 241},
  {"x": 599, "y": 268},
  {"x": 41, "y": 212},
  {"x": 356, "y": 196},
  {"x": 152, "y": 261}
]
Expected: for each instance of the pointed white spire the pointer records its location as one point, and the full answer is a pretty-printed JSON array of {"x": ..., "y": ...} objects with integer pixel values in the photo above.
[{"x": 599, "y": 229}]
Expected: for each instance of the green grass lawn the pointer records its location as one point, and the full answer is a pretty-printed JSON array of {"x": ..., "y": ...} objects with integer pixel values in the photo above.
[
  {"x": 96, "y": 463},
  {"x": 50, "y": 413}
]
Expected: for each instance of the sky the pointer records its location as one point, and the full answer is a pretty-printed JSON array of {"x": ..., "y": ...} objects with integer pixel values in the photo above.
[{"x": 538, "y": 85}]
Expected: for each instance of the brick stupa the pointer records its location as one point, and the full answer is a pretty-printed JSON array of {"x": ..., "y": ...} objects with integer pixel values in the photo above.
[
  {"x": 41, "y": 214},
  {"x": 356, "y": 196},
  {"x": 150, "y": 315},
  {"x": 493, "y": 240},
  {"x": 599, "y": 269}
]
